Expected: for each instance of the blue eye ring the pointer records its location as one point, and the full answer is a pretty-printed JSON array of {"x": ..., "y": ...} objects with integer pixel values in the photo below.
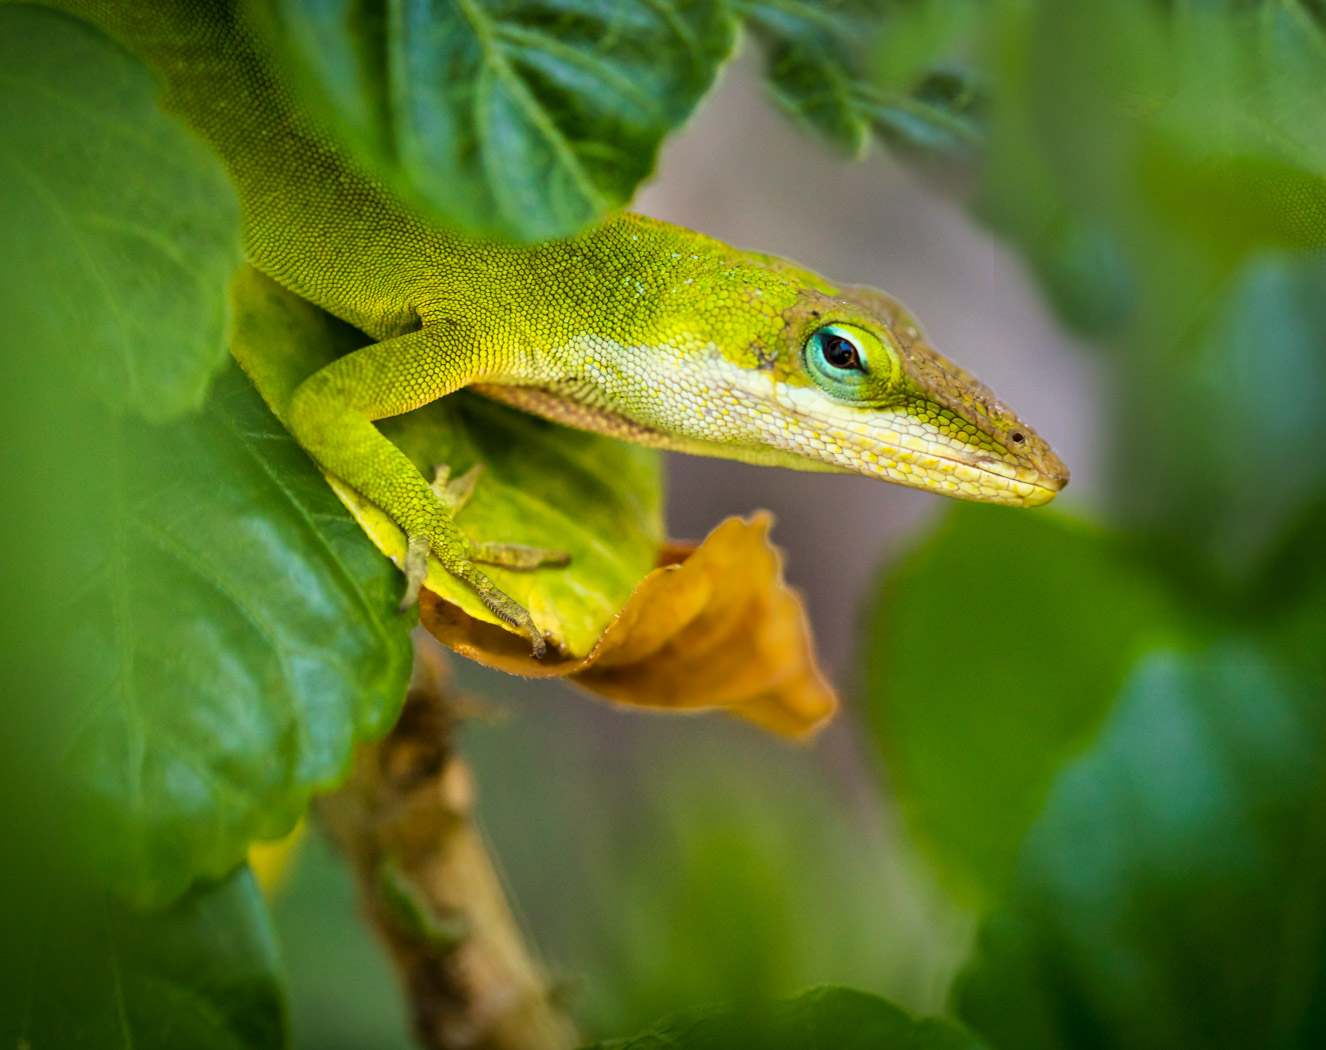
[
  {"x": 837, "y": 361},
  {"x": 836, "y": 354}
]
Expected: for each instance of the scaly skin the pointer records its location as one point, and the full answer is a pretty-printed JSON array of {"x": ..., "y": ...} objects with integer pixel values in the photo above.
[{"x": 637, "y": 329}]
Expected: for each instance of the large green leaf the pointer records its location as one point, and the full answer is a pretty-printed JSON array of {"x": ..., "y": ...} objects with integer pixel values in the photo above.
[
  {"x": 1171, "y": 893},
  {"x": 597, "y": 498},
  {"x": 120, "y": 226},
  {"x": 820, "y": 1018},
  {"x": 202, "y": 974},
  {"x": 995, "y": 650},
  {"x": 233, "y": 635},
  {"x": 498, "y": 117},
  {"x": 195, "y": 633}
]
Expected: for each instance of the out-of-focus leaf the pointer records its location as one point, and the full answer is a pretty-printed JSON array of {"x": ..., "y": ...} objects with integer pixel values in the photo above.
[
  {"x": 1287, "y": 609},
  {"x": 815, "y": 62},
  {"x": 728, "y": 868},
  {"x": 713, "y": 627},
  {"x": 1171, "y": 894},
  {"x": 544, "y": 484},
  {"x": 202, "y": 974},
  {"x": 232, "y": 636},
  {"x": 1224, "y": 439},
  {"x": 1164, "y": 168},
  {"x": 995, "y": 650},
  {"x": 121, "y": 229},
  {"x": 822, "y": 1017},
  {"x": 850, "y": 67},
  {"x": 524, "y": 120}
]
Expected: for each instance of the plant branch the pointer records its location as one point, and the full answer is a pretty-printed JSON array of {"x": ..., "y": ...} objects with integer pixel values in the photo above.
[{"x": 404, "y": 820}]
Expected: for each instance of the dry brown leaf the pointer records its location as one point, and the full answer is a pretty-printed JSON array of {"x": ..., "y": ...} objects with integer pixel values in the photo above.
[{"x": 714, "y": 626}]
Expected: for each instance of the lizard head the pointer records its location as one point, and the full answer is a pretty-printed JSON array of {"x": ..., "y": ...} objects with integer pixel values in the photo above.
[
  {"x": 842, "y": 379},
  {"x": 863, "y": 391}
]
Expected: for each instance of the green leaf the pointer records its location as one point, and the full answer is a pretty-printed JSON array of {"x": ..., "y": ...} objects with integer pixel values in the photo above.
[
  {"x": 496, "y": 117},
  {"x": 202, "y": 974},
  {"x": 233, "y": 636},
  {"x": 822, "y": 1017},
  {"x": 121, "y": 229},
  {"x": 194, "y": 632},
  {"x": 1171, "y": 893},
  {"x": 543, "y": 484},
  {"x": 850, "y": 67},
  {"x": 995, "y": 650}
]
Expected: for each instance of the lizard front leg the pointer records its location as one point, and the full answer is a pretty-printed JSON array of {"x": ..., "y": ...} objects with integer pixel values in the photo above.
[{"x": 331, "y": 415}]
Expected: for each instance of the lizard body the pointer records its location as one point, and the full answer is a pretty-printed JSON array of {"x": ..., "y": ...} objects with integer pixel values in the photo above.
[{"x": 636, "y": 328}]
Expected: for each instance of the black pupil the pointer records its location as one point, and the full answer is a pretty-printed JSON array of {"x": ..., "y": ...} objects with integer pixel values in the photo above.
[{"x": 840, "y": 352}]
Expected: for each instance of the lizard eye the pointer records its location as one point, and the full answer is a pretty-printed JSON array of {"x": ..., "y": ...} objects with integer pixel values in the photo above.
[
  {"x": 832, "y": 351},
  {"x": 850, "y": 364}
]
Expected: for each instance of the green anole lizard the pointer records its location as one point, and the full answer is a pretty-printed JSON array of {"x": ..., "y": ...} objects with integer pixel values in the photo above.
[{"x": 636, "y": 328}]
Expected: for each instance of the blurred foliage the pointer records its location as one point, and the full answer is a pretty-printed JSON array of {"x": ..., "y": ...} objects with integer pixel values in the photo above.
[
  {"x": 343, "y": 992},
  {"x": 664, "y": 862},
  {"x": 1173, "y": 891},
  {"x": 201, "y": 974},
  {"x": 1164, "y": 169},
  {"x": 973, "y": 740},
  {"x": 850, "y": 68},
  {"x": 1120, "y": 736},
  {"x": 823, "y": 1017},
  {"x": 121, "y": 227},
  {"x": 657, "y": 862}
]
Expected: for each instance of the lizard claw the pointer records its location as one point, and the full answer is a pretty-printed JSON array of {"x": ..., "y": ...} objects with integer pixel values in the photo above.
[
  {"x": 459, "y": 555},
  {"x": 508, "y": 609},
  {"x": 416, "y": 570}
]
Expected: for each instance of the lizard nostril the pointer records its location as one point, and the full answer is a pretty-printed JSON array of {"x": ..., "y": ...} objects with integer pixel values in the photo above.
[{"x": 1017, "y": 437}]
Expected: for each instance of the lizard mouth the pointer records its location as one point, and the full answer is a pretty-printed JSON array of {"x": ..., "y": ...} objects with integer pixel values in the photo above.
[
  {"x": 975, "y": 478},
  {"x": 877, "y": 450}
]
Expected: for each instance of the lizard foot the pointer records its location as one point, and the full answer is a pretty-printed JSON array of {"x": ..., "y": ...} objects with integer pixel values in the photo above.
[{"x": 460, "y": 556}]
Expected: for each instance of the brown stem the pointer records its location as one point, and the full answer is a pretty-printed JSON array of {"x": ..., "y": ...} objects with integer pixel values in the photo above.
[{"x": 404, "y": 820}]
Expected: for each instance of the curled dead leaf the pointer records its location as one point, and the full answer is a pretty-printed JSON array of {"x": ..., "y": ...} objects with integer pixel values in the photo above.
[{"x": 714, "y": 626}]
